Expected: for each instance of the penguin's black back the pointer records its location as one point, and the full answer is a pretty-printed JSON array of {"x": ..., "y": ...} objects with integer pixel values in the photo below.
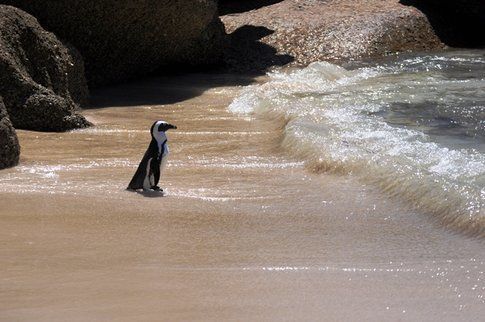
[{"x": 141, "y": 173}]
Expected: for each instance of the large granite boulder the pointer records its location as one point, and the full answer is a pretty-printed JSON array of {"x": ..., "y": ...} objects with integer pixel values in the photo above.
[
  {"x": 312, "y": 30},
  {"x": 39, "y": 76},
  {"x": 9, "y": 144},
  {"x": 122, "y": 39}
]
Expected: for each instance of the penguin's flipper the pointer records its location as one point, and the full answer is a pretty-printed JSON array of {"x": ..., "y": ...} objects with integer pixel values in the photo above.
[{"x": 140, "y": 174}]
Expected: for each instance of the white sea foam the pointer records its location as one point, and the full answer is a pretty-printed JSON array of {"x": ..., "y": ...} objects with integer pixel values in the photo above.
[{"x": 414, "y": 127}]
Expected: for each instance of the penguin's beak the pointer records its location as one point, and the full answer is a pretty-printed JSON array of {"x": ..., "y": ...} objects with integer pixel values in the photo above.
[{"x": 170, "y": 126}]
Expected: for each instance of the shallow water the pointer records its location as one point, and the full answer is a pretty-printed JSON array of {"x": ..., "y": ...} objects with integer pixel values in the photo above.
[
  {"x": 244, "y": 232},
  {"x": 413, "y": 125}
]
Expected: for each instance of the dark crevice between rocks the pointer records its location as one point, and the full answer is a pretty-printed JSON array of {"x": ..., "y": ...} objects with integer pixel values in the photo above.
[
  {"x": 246, "y": 53},
  {"x": 458, "y": 23},
  {"x": 230, "y": 6}
]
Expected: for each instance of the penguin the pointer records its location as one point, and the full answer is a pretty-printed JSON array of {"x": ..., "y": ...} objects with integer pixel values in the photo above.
[{"x": 147, "y": 175}]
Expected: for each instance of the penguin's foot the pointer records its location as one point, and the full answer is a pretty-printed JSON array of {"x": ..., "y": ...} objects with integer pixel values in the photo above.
[{"x": 157, "y": 188}]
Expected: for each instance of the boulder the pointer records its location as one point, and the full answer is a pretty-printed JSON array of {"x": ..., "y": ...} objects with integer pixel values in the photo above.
[
  {"x": 123, "y": 39},
  {"x": 9, "y": 144},
  {"x": 312, "y": 30},
  {"x": 39, "y": 76}
]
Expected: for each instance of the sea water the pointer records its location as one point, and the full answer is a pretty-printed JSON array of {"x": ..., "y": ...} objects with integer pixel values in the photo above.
[
  {"x": 412, "y": 125},
  {"x": 244, "y": 231}
]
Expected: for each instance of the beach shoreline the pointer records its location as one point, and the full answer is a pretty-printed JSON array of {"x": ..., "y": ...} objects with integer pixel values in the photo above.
[{"x": 244, "y": 232}]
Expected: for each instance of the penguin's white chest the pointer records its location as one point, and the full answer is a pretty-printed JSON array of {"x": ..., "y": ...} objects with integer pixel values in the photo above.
[
  {"x": 165, "y": 150},
  {"x": 162, "y": 143}
]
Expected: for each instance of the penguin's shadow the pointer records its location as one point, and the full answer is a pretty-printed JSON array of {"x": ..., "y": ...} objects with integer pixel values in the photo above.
[{"x": 150, "y": 194}]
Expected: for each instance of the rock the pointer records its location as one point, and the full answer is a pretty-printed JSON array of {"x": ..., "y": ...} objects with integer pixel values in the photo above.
[
  {"x": 123, "y": 39},
  {"x": 205, "y": 50},
  {"x": 9, "y": 144},
  {"x": 312, "y": 30},
  {"x": 39, "y": 76},
  {"x": 458, "y": 23}
]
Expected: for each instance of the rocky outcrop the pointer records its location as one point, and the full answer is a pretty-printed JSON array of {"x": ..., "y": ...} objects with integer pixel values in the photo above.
[
  {"x": 311, "y": 30},
  {"x": 458, "y": 23},
  {"x": 39, "y": 76},
  {"x": 9, "y": 144},
  {"x": 122, "y": 39},
  {"x": 205, "y": 50}
]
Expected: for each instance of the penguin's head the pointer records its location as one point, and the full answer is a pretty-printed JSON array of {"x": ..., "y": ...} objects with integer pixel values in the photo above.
[
  {"x": 164, "y": 126},
  {"x": 161, "y": 126},
  {"x": 158, "y": 129}
]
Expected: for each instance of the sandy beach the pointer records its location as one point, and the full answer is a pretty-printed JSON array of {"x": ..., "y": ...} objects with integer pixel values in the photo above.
[{"x": 244, "y": 231}]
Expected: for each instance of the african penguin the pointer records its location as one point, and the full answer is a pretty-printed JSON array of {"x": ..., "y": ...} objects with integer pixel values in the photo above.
[{"x": 148, "y": 173}]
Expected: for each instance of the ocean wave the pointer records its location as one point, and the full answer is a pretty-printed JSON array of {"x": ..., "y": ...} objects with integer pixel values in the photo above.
[{"x": 414, "y": 127}]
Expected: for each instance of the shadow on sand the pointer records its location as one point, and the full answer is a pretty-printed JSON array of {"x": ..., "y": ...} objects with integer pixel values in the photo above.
[
  {"x": 246, "y": 58},
  {"x": 148, "y": 194},
  {"x": 161, "y": 90}
]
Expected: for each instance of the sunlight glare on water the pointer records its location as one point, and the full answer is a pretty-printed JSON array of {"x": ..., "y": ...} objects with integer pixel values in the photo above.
[{"x": 415, "y": 126}]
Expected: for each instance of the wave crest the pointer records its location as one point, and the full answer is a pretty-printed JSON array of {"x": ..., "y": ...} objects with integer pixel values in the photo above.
[{"x": 397, "y": 126}]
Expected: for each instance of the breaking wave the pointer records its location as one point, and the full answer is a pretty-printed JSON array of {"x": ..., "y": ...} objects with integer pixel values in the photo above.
[{"x": 414, "y": 126}]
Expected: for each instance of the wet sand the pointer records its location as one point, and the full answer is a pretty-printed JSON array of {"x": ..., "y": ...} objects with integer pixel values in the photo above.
[{"x": 244, "y": 232}]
